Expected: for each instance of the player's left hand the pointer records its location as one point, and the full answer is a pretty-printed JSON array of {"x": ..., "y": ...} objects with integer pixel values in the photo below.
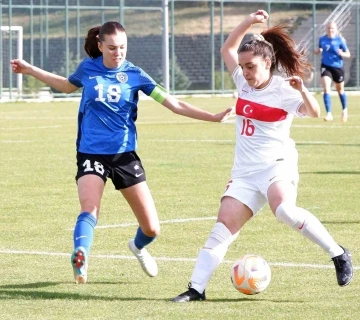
[
  {"x": 340, "y": 52},
  {"x": 296, "y": 82}
]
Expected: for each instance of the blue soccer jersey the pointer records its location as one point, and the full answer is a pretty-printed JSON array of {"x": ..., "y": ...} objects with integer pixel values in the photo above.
[
  {"x": 330, "y": 47},
  {"x": 108, "y": 108}
]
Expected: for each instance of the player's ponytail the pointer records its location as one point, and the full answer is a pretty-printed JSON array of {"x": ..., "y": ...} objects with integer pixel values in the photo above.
[
  {"x": 91, "y": 43},
  {"x": 287, "y": 59}
]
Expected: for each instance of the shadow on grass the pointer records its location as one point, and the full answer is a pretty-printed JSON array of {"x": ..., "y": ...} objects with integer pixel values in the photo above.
[
  {"x": 29, "y": 285},
  {"x": 45, "y": 295},
  {"x": 37, "y": 285},
  {"x": 9, "y": 293},
  {"x": 242, "y": 300}
]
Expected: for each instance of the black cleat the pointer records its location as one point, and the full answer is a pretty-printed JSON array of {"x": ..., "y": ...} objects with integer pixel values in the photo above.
[
  {"x": 343, "y": 267},
  {"x": 190, "y": 295}
]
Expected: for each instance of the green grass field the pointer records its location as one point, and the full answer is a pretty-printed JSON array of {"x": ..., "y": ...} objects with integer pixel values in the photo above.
[{"x": 188, "y": 163}]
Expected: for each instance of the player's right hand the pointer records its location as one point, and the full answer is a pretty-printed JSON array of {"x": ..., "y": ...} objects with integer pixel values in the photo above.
[
  {"x": 20, "y": 66},
  {"x": 259, "y": 16}
]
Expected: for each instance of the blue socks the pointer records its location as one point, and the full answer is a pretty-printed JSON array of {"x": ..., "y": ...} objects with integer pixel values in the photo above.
[
  {"x": 84, "y": 231},
  {"x": 141, "y": 240},
  {"x": 327, "y": 102},
  {"x": 343, "y": 100}
]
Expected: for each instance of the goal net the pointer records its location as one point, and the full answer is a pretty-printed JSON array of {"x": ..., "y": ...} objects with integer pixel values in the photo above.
[{"x": 11, "y": 47}]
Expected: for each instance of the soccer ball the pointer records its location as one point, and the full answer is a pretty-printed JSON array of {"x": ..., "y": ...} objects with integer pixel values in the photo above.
[{"x": 250, "y": 274}]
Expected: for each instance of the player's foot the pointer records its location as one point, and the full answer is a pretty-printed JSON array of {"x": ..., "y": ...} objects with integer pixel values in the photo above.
[
  {"x": 147, "y": 262},
  {"x": 328, "y": 117},
  {"x": 79, "y": 264},
  {"x": 344, "y": 116},
  {"x": 343, "y": 267},
  {"x": 190, "y": 295}
]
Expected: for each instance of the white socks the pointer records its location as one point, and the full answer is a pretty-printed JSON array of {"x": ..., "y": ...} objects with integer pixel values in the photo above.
[
  {"x": 220, "y": 238},
  {"x": 307, "y": 224},
  {"x": 211, "y": 255}
]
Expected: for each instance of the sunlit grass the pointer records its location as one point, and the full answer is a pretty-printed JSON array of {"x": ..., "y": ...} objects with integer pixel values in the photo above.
[{"x": 187, "y": 163}]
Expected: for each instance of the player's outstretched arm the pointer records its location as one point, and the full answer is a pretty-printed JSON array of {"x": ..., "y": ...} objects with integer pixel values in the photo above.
[
  {"x": 186, "y": 109},
  {"x": 55, "y": 81}
]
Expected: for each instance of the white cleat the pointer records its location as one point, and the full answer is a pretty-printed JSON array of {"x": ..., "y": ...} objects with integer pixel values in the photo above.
[
  {"x": 80, "y": 265},
  {"x": 329, "y": 117},
  {"x": 344, "y": 116},
  {"x": 147, "y": 262}
]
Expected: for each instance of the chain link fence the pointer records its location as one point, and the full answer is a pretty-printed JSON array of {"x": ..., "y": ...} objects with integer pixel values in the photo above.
[{"x": 54, "y": 32}]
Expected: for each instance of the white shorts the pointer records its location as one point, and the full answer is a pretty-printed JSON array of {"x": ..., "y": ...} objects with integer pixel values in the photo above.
[{"x": 251, "y": 188}]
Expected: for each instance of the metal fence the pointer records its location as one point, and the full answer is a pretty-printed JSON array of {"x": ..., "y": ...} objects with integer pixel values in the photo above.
[{"x": 189, "y": 33}]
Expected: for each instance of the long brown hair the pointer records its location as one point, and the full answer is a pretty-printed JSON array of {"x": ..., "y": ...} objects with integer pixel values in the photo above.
[
  {"x": 97, "y": 34},
  {"x": 280, "y": 48}
]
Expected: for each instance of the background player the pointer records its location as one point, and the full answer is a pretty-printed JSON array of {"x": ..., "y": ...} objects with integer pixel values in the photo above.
[{"x": 333, "y": 48}]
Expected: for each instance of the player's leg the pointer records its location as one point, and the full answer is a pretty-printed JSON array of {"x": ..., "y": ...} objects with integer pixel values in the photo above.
[
  {"x": 142, "y": 204},
  {"x": 343, "y": 99},
  {"x": 326, "y": 84},
  {"x": 282, "y": 201},
  {"x": 90, "y": 184},
  {"x": 232, "y": 216},
  {"x": 128, "y": 176},
  {"x": 240, "y": 200}
]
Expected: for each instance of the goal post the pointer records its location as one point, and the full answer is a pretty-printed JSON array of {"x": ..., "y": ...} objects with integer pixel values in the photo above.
[{"x": 11, "y": 47}]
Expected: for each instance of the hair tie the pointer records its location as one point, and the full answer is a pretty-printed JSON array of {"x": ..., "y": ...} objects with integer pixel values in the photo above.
[{"x": 259, "y": 37}]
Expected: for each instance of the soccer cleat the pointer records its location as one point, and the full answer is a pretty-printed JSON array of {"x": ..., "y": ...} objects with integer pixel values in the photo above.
[
  {"x": 328, "y": 117},
  {"x": 147, "y": 262},
  {"x": 80, "y": 265},
  {"x": 343, "y": 267},
  {"x": 190, "y": 295}
]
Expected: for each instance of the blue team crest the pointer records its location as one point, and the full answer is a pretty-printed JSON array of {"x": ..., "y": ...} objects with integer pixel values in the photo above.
[{"x": 122, "y": 77}]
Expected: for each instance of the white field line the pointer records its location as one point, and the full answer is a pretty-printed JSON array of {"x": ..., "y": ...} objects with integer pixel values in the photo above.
[
  {"x": 123, "y": 225},
  {"x": 37, "y": 127},
  {"x": 315, "y": 126},
  {"x": 319, "y": 126},
  {"x": 37, "y": 118},
  {"x": 226, "y": 141},
  {"x": 188, "y": 121},
  {"x": 123, "y": 257},
  {"x": 191, "y": 140},
  {"x": 15, "y": 141}
]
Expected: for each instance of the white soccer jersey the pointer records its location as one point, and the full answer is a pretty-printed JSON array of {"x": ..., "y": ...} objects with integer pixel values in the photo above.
[{"x": 263, "y": 120}]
